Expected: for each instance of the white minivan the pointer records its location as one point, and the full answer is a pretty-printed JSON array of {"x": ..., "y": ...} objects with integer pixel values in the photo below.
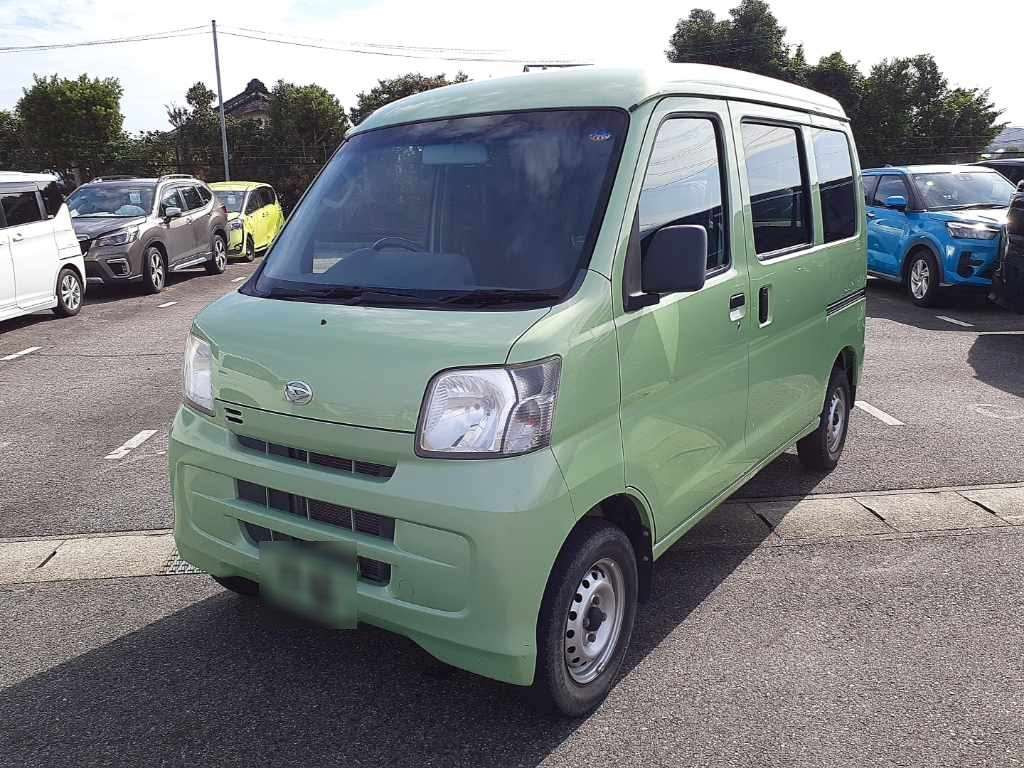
[{"x": 41, "y": 264}]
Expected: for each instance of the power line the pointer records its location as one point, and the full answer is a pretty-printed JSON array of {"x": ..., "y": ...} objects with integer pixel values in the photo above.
[
  {"x": 388, "y": 46},
  {"x": 146, "y": 37}
]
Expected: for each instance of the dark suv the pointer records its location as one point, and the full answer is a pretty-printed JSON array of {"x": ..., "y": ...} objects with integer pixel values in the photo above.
[
  {"x": 141, "y": 229},
  {"x": 1008, "y": 281}
]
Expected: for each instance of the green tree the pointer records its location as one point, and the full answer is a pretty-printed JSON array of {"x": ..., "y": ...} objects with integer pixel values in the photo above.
[
  {"x": 909, "y": 114},
  {"x": 69, "y": 123},
  {"x": 751, "y": 39},
  {"x": 839, "y": 78},
  {"x": 10, "y": 139},
  {"x": 308, "y": 119},
  {"x": 396, "y": 88}
]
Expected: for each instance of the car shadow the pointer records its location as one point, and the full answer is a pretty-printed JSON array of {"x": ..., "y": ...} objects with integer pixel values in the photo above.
[
  {"x": 888, "y": 301},
  {"x": 227, "y": 681},
  {"x": 996, "y": 360}
]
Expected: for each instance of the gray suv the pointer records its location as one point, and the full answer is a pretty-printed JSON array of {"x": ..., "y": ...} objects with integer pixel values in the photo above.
[{"x": 142, "y": 229}]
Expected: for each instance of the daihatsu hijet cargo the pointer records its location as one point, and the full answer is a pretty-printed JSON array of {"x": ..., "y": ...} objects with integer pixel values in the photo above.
[{"x": 519, "y": 336}]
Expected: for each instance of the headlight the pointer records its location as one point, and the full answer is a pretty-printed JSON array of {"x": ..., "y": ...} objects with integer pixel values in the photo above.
[
  {"x": 235, "y": 224},
  {"x": 972, "y": 231},
  {"x": 489, "y": 411},
  {"x": 198, "y": 374},
  {"x": 122, "y": 237}
]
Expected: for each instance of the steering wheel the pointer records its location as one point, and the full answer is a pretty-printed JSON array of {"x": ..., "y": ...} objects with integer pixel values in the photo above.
[{"x": 396, "y": 242}]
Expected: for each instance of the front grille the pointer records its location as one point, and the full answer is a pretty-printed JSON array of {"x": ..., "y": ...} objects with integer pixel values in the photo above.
[
  {"x": 321, "y": 511},
  {"x": 349, "y": 466},
  {"x": 376, "y": 571}
]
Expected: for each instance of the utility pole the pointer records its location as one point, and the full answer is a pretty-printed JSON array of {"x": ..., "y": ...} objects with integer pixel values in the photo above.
[{"x": 220, "y": 98}]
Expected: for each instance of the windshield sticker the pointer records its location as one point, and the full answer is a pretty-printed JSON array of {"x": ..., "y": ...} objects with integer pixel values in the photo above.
[
  {"x": 135, "y": 197},
  {"x": 600, "y": 135}
]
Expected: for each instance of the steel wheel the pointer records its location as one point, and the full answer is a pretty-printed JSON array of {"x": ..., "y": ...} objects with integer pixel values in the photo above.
[
  {"x": 920, "y": 278},
  {"x": 594, "y": 621},
  {"x": 156, "y": 269},
  {"x": 836, "y": 425},
  {"x": 70, "y": 292}
]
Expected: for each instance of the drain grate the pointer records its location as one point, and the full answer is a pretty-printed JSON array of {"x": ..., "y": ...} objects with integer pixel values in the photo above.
[{"x": 175, "y": 566}]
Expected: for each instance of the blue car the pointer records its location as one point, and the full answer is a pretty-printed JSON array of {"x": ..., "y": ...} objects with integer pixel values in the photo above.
[{"x": 933, "y": 227}]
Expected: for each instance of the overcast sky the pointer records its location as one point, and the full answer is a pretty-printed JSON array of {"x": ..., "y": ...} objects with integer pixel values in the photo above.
[{"x": 977, "y": 44}]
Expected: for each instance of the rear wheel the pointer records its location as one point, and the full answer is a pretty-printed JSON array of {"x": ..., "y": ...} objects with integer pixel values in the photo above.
[
  {"x": 238, "y": 585},
  {"x": 154, "y": 270},
  {"x": 820, "y": 450},
  {"x": 923, "y": 279},
  {"x": 586, "y": 619},
  {"x": 69, "y": 293},
  {"x": 219, "y": 260}
]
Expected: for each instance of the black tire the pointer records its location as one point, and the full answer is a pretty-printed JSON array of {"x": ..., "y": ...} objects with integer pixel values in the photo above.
[
  {"x": 592, "y": 547},
  {"x": 249, "y": 251},
  {"x": 928, "y": 295},
  {"x": 218, "y": 256},
  {"x": 69, "y": 293},
  {"x": 820, "y": 450},
  {"x": 154, "y": 270},
  {"x": 238, "y": 585}
]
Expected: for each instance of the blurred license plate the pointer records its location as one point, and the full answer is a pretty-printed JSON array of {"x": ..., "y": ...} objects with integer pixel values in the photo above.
[{"x": 314, "y": 579}]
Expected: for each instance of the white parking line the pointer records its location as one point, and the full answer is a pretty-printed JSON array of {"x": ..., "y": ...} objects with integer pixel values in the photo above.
[
  {"x": 879, "y": 414},
  {"x": 23, "y": 352},
  {"x": 166, "y": 304},
  {"x": 239, "y": 279},
  {"x": 954, "y": 321},
  {"x": 131, "y": 444}
]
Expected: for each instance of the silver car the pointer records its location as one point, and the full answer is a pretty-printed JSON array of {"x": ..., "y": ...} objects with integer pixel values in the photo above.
[{"x": 135, "y": 229}]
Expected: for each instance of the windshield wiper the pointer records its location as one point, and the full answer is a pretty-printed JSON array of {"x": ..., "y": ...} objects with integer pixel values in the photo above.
[
  {"x": 499, "y": 296},
  {"x": 347, "y": 296}
]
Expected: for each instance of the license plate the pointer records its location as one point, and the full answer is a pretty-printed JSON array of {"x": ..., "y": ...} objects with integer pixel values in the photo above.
[{"x": 313, "y": 579}]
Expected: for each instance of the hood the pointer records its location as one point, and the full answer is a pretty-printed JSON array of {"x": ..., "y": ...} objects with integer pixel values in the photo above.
[
  {"x": 94, "y": 227},
  {"x": 367, "y": 366},
  {"x": 987, "y": 215}
]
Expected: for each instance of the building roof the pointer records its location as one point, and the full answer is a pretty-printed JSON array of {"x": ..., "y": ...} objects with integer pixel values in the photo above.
[
  {"x": 255, "y": 91},
  {"x": 596, "y": 87}
]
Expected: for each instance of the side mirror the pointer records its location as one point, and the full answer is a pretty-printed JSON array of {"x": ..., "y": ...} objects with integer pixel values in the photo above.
[
  {"x": 676, "y": 260},
  {"x": 1020, "y": 185},
  {"x": 172, "y": 212},
  {"x": 897, "y": 202}
]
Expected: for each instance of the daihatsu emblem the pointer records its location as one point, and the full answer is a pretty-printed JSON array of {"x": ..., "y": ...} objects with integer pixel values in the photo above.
[{"x": 298, "y": 392}]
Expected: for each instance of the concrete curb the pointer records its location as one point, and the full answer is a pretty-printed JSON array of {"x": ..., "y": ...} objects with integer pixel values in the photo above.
[{"x": 752, "y": 523}]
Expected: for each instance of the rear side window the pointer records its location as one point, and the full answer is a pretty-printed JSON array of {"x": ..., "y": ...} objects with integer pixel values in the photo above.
[
  {"x": 20, "y": 207},
  {"x": 870, "y": 185},
  {"x": 835, "y": 184},
  {"x": 778, "y": 187},
  {"x": 683, "y": 184},
  {"x": 53, "y": 199},
  {"x": 191, "y": 198},
  {"x": 889, "y": 186}
]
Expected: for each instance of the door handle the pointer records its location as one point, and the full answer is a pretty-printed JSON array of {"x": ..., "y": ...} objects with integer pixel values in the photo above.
[
  {"x": 872, "y": 214},
  {"x": 17, "y": 236},
  {"x": 737, "y": 307}
]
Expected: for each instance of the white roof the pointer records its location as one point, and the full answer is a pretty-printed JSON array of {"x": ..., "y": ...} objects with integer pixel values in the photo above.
[{"x": 22, "y": 177}]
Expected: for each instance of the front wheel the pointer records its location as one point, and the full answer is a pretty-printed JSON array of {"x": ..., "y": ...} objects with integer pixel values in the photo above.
[
  {"x": 69, "y": 293},
  {"x": 219, "y": 261},
  {"x": 820, "y": 450},
  {"x": 249, "y": 254},
  {"x": 923, "y": 279},
  {"x": 586, "y": 619},
  {"x": 154, "y": 271}
]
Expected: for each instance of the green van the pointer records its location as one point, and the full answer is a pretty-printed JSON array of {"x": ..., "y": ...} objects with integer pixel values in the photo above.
[{"x": 517, "y": 338}]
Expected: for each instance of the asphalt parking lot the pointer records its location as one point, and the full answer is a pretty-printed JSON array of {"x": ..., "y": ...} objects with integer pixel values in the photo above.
[{"x": 880, "y": 642}]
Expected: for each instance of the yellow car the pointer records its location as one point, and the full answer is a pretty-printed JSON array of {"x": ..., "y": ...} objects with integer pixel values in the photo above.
[{"x": 254, "y": 216}]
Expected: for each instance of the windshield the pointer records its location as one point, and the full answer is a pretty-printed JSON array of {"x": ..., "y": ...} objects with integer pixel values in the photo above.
[
  {"x": 488, "y": 209},
  {"x": 232, "y": 199},
  {"x": 112, "y": 200},
  {"x": 950, "y": 190}
]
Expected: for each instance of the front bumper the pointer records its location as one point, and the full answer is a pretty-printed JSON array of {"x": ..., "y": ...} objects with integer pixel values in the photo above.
[
  {"x": 236, "y": 238},
  {"x": 970, "y": 263},
  {"x": 112, "y": 265},
  {"x": 473, "y": 541}
]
